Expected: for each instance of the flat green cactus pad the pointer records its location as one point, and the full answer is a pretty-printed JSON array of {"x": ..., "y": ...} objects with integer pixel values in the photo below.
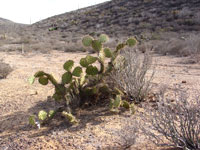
[
  {"x": 68, "y": 65},
  {"x": 77, "y": 71},
  {"x": 66, "y": 78},
  {"x": 92, "y": 70},
  {"x": 43, "y": 80},
  {"x": 42, "y": 115},
  {"x": 87, "y": 40},
  {"x": 96, "y": 45}
]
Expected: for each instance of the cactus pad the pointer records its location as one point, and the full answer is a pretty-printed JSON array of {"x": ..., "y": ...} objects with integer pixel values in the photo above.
[
  {"x": 96, "y": 45},
  {"x": 125, "y": 104},
  {"x": 117, "y": 101},
  {"x": 107, "y": 52},
  {"x": 32, "y": 120},
  {"x": 83, "y": 62},
  {"x": 43, "y": 80},
  {"x": 39, "y": 74},
  {"x": 68, "y": 65},
  {"x": 51, "y": 113},
  {"x": 70, "y": 117},
  {"x": 103, "y": 38},
  {"x": 31, "y": 80},
  {"x": 91, "y": 59},
  {"x": 66, "y": 78},
  {"x": 87, "y": 40},
  {"x": 131, "y": 42},
  {"x": 120, "y": 46},
  {"x": 77, "y": 71},
  {"x": 42, "y": 115},
  {"x": 92, "y": 70},
  {"x": 132, "y": 108}
]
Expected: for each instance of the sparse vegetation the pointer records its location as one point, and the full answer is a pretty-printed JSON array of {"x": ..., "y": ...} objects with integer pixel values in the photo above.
[
  {"x": 133, "y": 77},
  {"x": 183, "y": 46},
  {"x": 174, "y": 122}
]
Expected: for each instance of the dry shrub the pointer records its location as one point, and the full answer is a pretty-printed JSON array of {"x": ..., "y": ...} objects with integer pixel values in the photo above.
[
  {"x": 132, "y": 78},
  {"x": 5, "y": 69},
  {"x": 189, "y": 46},
  {"x": 175, "y": 123}
]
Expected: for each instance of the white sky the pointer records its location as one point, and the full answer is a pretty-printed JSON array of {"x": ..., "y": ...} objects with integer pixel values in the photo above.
[{"x": 30, "y": 11}]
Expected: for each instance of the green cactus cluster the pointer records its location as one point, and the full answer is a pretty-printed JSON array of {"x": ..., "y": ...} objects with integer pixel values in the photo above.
[{"x": 87, "y": 80}]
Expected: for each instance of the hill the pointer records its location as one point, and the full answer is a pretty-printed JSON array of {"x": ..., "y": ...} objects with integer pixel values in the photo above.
[
  {"x": 145, "y": 19},
  {"x": 7, "y": 26},
  {"x": 128, "y": 17}
]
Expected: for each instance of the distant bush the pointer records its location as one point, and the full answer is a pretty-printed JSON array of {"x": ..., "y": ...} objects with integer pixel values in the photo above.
[
  {"x": 189, "y": 46},
  {"x": 5, "y": 69},
  {"x": 175, "y": 123}
]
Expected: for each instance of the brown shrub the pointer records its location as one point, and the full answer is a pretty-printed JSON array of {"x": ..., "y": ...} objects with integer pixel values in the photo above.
[
  {"x": 132, "y": 78},
  {"x": 5, "y": 69},
  {"x": 174, "y": 123},
  {"x": 189, "y": 46}
]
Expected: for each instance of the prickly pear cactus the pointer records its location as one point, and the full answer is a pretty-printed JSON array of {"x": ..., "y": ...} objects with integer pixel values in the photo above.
[{"x": 86, "y": 81}]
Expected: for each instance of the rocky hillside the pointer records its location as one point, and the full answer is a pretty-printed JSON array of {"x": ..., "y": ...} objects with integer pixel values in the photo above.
[
  {"x": 118, "y": 18},
  {"x": 7, "y": 26},
  {"x": 128, "y": 17}
]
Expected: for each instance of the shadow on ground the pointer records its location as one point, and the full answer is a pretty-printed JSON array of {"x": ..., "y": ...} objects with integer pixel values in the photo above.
[{"x": 17, "y": 122}]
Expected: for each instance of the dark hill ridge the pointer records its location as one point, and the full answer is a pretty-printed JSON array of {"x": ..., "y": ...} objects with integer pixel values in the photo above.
[
  {"x": 7, "y": 26},
  {"x": 128, "y": 17},
  {"x": 4, "y": 21}
]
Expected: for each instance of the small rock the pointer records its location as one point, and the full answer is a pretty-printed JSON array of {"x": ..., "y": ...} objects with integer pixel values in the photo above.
[
  {"x": 33, "y": 92},
  {"x": 183, "y": 81}
]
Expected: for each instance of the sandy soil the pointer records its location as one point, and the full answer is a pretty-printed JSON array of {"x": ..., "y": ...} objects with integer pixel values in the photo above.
[{"x": 99, "y": 129}]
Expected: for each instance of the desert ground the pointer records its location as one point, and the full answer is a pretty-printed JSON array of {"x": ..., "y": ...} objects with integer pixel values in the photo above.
[{"x": 99, "y": 129}]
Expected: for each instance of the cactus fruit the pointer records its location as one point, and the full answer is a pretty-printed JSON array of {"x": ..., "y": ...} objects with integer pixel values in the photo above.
[
  {"x": 87, "y": 40},
  {"x": 42, "y": 115},
  {"x": 68, "y": 65}
]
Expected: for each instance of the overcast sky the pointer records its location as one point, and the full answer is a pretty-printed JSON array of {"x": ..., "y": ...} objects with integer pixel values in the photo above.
[{"x": 30, "y": 11}]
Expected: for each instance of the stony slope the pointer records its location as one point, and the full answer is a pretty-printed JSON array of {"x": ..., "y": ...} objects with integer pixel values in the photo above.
[
  {"x": 127, "y": 17},
  {"x": 7, "y": 26},
  {"x": 117, "y": 18}
]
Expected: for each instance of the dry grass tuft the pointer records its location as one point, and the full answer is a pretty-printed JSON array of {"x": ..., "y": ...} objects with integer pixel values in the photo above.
[{"x": 174, "y": 123}]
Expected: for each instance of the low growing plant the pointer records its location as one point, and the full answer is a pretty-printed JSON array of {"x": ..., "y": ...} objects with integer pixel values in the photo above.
[
  {"x": 132, "y": 76},
  {"x": 174, "y": 123},
  {"x": 85, "y": 83}
]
